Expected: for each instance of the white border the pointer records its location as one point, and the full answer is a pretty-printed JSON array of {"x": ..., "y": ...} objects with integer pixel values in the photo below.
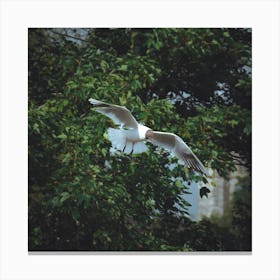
[{"x": 17, "y": 16}]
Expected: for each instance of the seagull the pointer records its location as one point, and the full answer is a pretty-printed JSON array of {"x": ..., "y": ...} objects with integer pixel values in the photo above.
[{"x": 132, "y": 135}]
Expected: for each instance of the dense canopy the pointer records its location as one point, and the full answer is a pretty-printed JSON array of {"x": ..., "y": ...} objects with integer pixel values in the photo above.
[{"x": 195, "y": 83}]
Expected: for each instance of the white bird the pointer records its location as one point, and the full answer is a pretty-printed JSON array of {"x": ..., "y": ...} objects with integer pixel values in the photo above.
[{"x": 131, "y": 136}]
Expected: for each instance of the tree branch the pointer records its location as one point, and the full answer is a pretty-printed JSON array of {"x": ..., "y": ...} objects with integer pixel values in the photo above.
[{"x": 69, "y": 36}]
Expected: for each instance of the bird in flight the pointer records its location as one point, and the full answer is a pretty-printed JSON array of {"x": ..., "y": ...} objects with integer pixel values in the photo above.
[{"x": 131, "y": 136}]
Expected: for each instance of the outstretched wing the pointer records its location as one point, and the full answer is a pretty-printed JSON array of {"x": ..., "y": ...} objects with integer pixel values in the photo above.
[
  {"x": 177, "y": 146},
  {"x": 119, "y": 114}
]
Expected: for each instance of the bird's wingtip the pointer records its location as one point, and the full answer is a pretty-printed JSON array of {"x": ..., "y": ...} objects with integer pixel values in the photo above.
[{"x": 205, "y": 171}]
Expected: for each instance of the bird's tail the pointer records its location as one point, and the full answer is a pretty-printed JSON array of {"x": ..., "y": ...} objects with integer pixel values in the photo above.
[{"x": 117, "y": 138}]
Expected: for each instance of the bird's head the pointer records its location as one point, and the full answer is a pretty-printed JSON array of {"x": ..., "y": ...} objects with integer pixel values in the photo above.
[
  {"x": 142, "y": 130},
  {"x": 149, "y": 134}
]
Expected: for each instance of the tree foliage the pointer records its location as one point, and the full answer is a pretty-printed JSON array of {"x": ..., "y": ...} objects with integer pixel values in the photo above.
[{"x": 192, "y": 82}]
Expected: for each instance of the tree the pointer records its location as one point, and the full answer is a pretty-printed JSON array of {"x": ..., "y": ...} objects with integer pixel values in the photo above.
[{"x": 193, "y": 82}]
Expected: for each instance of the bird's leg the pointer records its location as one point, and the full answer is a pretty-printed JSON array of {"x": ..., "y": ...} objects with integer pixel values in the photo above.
[
  {"x": 124, "y": 146},
  {"x": 132, "y": 148}
]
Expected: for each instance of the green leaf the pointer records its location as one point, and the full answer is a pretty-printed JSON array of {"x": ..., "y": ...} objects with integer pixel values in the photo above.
[
  {"x": 75, "y": 214},
  {"x": 62, "y": 136},
  {"x": 215, "y": 42},
  {"x": 123, "y": 67},
  {"x": 65, "y": 196},
  {"x": 104, "y": 65},
  {"x": 179, "y": 184},
  {"x": 104, "y": 151},
  {"x": 36, "y": 128},
  {"x": 247, "y": 129},
  {"x": 213, "y": 183},
  {"x": 226, "y": 34}
]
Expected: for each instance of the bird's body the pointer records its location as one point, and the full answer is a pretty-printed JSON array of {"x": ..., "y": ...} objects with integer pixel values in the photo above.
[
  {"x": 129, "y": 140},
  {"x": 137, "y": 134},
  {"x": 131, "y": 136}
]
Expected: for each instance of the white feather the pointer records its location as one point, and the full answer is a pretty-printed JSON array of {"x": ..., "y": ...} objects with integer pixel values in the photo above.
[
  {"x": 142, "y": 129},
  {"x": 117, "y": 138},
  {"x": 140, "y": 147}
]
